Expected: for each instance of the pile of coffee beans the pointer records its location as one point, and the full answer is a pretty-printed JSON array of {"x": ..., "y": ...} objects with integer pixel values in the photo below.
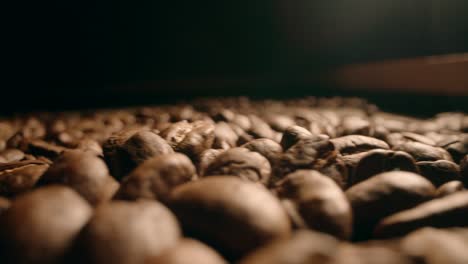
[{"x": 234, "y": 180}]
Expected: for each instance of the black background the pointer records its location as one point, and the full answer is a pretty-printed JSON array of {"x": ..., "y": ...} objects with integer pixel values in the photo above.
[{"x": 76, "y": 54}]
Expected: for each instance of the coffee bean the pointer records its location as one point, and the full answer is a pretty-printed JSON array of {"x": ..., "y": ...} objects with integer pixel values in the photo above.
[
  {"x": 84, "y": 172},
  {"x": 156, "y": 177},
  {"x": 267, "y": 148},
  {"x": 383, "y": 195},
  {"x": 126, "y": 232},
  {"x": 379, "y": 160},
  {"x": 188, "y": 251},
  {"x": 145, "y": 144},
  {"x": 20, "y": 176},
  {"x": 310, "y": 153},
  {"x": 41, "y": 225},
  {"x": 243, "y": 163},
  {"x": 11, "y": 155},
  {"x": 200, "y": 138},
  {"x": 225, "y": 213},
  {"x": 464, "y": 170},
  {"x": 423, "y": 152},
  {"x": 43, "y": 148},
  {"x": 356, "y": 254},
  {"x": 355, "y": 125},
  {"x": 449, "y": 188},
  {"x": 448, "y": 211},
  {"x": 303, "y": 247},
  {"x": 294, "y": 134},
  {"x": 90, "y": 145},
  {"x": 319, "y": 201},
  {"x": 205, "y": 158},
  {"x": 176, "y": 132},
  {"x": 430, "y": 245},
  {"x": 356, "y": 143},
  {"x": 440, "y": 171},
  {"x": 395, "y": 139},
  {"x": 225, "y": 137}
]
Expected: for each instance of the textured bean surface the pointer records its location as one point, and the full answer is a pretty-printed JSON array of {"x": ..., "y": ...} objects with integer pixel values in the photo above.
[{"x": 223, "y": 180}]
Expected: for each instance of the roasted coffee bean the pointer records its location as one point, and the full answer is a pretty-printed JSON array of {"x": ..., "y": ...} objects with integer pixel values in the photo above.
[
  {"x": 448, "y": 211},
  {"x": 145, "y": 144},
  {"x": 449, "y": 188},
  {"x": 126, "y": 232},
  {"x": 303, "y": 247},
  {"x": 21, "y": 176},
  {"x": 224, "y": 212},
  {"x": 205, "y": 159},
  {"x": 188, "y": 251},
  {"x": 423, "y": 152},
  {"x": 90, "y": 146},
  {"x": 267, "y": 148},
  {"x": 42, "y": 148},
  {"x": 41, "y": 225},
  {"x": 243, "y": 163},
  {"x": 438, "y": 246},
  {"x": 117, "y": 159},
  {"x": 395, "y": 139},
  {"x": 11, "y": 155},
  {"x": 156, "y": 177},
  {"x": 356, "y": 143},
  {"x": 84, "y": 172},
  {"x": 260, "y": 129},
  {"x": 309, "y": 153},
  {"x": 458, "y": 148},
  {"x": 336, "y": 170},
  {"x": 4, "y": 204},
  {"x": 279, "y": 122},
  {"x": 200, "y": 138},
  {"x": 379, "y": 160},
  {"x": 383, "y": 195},
  {"x": 356, "y": 254},
  {"x": 176, "y": 132},
  {"x": 225, "y": 137},
  {"x": 355, "y": 125},
  {"x": 319, "y": 201},
  {"x": 440, "y": 171},
  {"x": 294, "y": 134}
]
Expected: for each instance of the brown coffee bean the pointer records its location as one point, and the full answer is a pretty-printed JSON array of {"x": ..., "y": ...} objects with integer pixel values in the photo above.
[
  {"x": 91, "y": 146},
  {"x": 440, "y": 171},
  {"x": 430, "y": 245},
  {"x": 231, "y": 215},
  {"x": 243, "y": 163},
  {"x": 43, "y": 148},
  {"x": 336, "y": 170},
  {"x": 356, "y": 143},
  {"x": 395, "y": 139},
  {"x": 117, "y": 159},
  {"x": 355, "y": 125},
  {"x": 458, "y": 148},
  {"x": 225, "y": 137},
  {"x": 200, "y": 138},
  {"x": 84, "y": 172},
  {"x": 40, "y": 226},
  {"x": 379, "y": 160},
  {"x": 176, "y": 132},
  {"x": 319, "y": 201},
  {"x": 11, "y": 155},
  {"x": 4, "y": 204},
  {"x": 303, "y": 247},
  {"x": 294, "y": 134},
  {"x": 156, "y": 177},
  {"x": 205, "y": 159},
  {"x": 126, "y": 232},
  {"x": 259, "y": 128},
  {"x": 267, "y": 148},
  {"x": 449, "y": 188},
  {"x": 310, "y": 153},
  {"x": 423, "y": 152},
  {"x": 464, "y": 170},
  {"x": 188, "y": 251},
  {"x": 20, "y": 176},
  {"x": 145, "y": 144},
  {"x": 279, "y": 122},
  {"x": 357, "y": 254},
  {"x": 383, "y": 195},
  {"x": 447, "y": 211}
]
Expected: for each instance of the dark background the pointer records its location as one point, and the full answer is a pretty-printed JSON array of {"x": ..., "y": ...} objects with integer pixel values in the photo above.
[{"x": 75, "y": 54}]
